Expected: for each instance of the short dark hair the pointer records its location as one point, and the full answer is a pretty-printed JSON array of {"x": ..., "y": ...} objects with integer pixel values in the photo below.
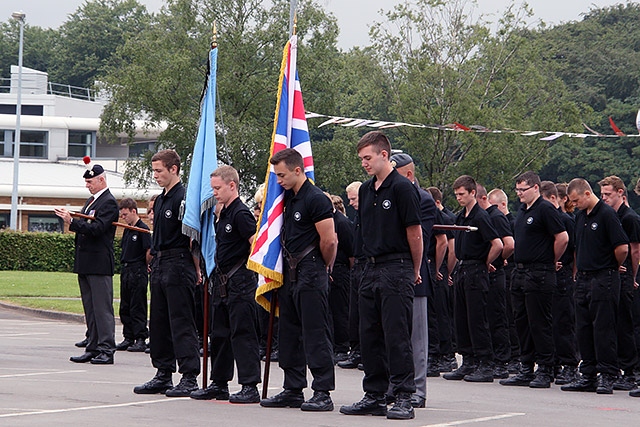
[
  {"x": 435, "y": 193},
  {"x": 227, "y": 174},
  {"x": 579, "y": 185},
  {"x": 530, "y": 177},
  {"x": 291, "y": 158},
  {"x": 377, "y": 140},
  {"x": 465, "y": 181},
  {"x": 614, "y": 181},
  {"x": 480, "y": 190},
  {"x": 169, "y": 158},
  {"x": 548, "y": 189},
  {"x": 128, "y": 203}
]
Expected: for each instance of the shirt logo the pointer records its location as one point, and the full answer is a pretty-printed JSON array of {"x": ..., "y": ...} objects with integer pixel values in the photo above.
[
  {"x": 594, "y": 226},
  {"x": 297, "y": 216},
  {"x": 228, "y": 228},
  {"x": 386, "y": 204},
  {"x": 530, "y": 220},
  {"x": 168, "y": 214},
  {"x": 134, "y": 237}
]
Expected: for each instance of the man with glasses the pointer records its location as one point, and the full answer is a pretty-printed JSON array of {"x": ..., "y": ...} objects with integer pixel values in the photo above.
[{"x": 540, "y": 241}]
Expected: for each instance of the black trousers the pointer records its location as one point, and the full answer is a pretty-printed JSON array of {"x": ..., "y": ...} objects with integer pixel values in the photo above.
[
  {"x": 471, "y": 289},
  {"x": 564, "y": 318},
  {"x": 134, "y": 280},
  {"x": 513, "y": 332},
  {"x": 354, "y": 312},
  {"x": 305, "y": 333},
  {"x": 339, "y": 289},
  {"x": 597, "y": 296},
  {"x": 532, "y": 297},
  {"x": 96, "y": 292},
  {"x": 386, "y": 318},
  {"x": 636, "y": 323},
  {"x": 627, "y": 352},
  {"x": 234, "y": 330},
  {"x": 439, "y": 313},
  {"x": 172, "y": 326},
  {"x": 497, "y": 315}
]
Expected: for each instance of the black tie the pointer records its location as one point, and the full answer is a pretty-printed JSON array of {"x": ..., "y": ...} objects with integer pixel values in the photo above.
[{"x": 91, "y": 199}]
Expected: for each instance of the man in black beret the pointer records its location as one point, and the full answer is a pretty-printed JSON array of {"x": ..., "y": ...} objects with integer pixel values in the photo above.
[{"x": 94, "y": 264}]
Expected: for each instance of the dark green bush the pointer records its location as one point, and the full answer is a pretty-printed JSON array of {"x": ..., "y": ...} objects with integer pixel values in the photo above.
[{"x": 40, "y": 251}]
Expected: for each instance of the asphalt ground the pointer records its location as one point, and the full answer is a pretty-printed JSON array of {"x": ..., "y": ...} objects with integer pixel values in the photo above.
[{"x": 40, "y": 386}]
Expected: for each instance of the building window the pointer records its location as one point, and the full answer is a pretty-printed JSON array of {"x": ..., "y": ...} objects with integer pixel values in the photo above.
[
  {"x": 33, "y": 143},
  {"x": 3, "y": 145},
  {"x": 4, "y": 221},
  {"x": 46, "y": 223},
  {"x": 138, "y": 149},
  {"x": 80, "y": 143}
]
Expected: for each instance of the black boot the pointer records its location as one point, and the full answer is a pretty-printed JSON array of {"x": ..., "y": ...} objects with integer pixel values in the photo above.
[
  {"x": 124, "y": 344},
  {"x": 402, "y": 409},
  {"x": 523, "y": 378},
  {"x": 586, "y": 383},
  {"x": 466, "y": 368},
  {"x": 288, "y": 398},
  {"x": 625, "y": 382},
  {"x": 352, "y": 361},
  {"x": 188, "y": 383},
  {"x": 543, "y": 377},
  {"x": 567, "y": 375},
  {"x": 482, "y": 374},
  {"x": 157, "y": 385},
  {"x": 248, "y": 394},
  {"x": 433, "y": 367},
  {"x": 138, "y": 347},
  {"x": 369, "y": 405},
  {"x": 605, "y": 383},
  {"x": 217, "y": 391},
  {"x": 500, "y": 371},
  {"x": 320, "y": 402}
]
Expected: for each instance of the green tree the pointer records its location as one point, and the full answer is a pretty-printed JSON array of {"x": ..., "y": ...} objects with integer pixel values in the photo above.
[{"x": 37, "y": 47}]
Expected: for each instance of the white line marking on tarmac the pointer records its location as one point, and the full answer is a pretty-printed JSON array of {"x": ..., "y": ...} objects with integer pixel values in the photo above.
[
  {"x": 30, "y": 374},
  {"x": 86, "y": 408},
  {"x": 477, "y": 420},
  {"x": 28, "y": 334}
]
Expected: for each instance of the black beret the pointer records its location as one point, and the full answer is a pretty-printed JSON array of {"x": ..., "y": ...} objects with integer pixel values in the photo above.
[
  {"x": 400, "y": 159},
  {"x": 93, "y": 172}
]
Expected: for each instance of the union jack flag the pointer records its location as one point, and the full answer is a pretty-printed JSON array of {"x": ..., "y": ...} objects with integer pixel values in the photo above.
[{"x": 290, "y": 131}]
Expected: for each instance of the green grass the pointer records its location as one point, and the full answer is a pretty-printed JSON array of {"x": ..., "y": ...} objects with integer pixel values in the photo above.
[{"x": 46, "y": 290}]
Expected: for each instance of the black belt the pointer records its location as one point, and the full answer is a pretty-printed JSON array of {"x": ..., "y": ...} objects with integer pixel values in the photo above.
[
  {"x": 360, "y": 260},
  {"x": 471, "y": 261},
  {"x": 171, "y": 252},
  {"x": 592, "y": 273},
  {"x": 294, "y": 258},
  {"x": 224, "y": 277},
  {"x": 132, "y": 263},
  {"x": 535, "y": 266},
  {"x": 388, "y": 257}
]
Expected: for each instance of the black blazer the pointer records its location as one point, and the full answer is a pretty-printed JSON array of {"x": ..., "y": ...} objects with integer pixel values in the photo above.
[{"x": 94, "y": 238}]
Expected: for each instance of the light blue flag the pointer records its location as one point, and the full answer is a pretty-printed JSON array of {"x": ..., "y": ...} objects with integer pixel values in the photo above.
[{"x": 198, "y": 221}]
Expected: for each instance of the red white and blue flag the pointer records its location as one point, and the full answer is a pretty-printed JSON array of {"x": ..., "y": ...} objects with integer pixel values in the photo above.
[{"x": 290, "y": 131}]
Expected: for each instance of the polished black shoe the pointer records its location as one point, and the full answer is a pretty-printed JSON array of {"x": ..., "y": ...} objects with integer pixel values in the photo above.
[
  {"x": 567, "y": 375},
  {"x": 102, "y": 359},
  {"x": 352, "y": 361},
  {"x": 444, "y": 364},
  {"x": 605, "y": 384},
  {"x": 188, "y": 383},
  {"x": 124, "y": 344},
  {"x": 213, "y": 391},
  {"x": 361, "y": 366},
  {"x": 522, "y": 379},
  {"x": 285, "y": 399},
  {"x": 320, "y": 402},
  {"x": 460, "y": 373},
  {"x": 543, "y": 378},
  {"x": 418, "y": 402},
  {"x": 248, "y": 394},
  {"x": 84, "y": 358},
  {"x": 340, "y": 357},
  {"x": 583, "y": 383},
  {"x": 625, "y": 383},
  {"x": 402, "y": 409},
  {"x": 514, "y": 367},
  {"x": 482, "y": 374},
  {"x": 369, "y": 405},
  {"x": 635, "y": 393},
  {"x": 83, "y": 343},
  {"x": 138, "y": 347},
  {"x": 157, "y": 385},
  {"x": 500, "y": 371}
]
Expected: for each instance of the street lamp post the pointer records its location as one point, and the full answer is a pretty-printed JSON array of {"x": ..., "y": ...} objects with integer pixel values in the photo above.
[{"x": 18, "y": 16}]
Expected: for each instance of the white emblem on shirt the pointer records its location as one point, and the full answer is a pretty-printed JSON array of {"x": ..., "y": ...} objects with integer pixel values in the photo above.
[
  {"x": 594, "y": 226},
  {"x": 227, "y": 228},
  {"x": 386, "y": 204},
  {"x": 297, "y": 216},
  {"x": 168, "y": 213},
  {"x": 530, "y": 220},
  {"x": 134, "y": 237}
]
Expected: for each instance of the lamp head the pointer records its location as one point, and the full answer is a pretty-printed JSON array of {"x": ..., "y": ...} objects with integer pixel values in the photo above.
[{"x": 18, "y": 16}]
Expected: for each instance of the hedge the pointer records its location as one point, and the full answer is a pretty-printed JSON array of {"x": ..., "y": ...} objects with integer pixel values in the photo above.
[{"x": 40, "y": 251}]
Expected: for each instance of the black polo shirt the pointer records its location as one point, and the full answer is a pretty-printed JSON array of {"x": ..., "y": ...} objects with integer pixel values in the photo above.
[
  {"x": 386, "y": 213},
  {"x": 630, "y": 221},
  {"x": 474, "y": 245},
  {"x": 301, "y": 213},
  {"x": 167, "y": 220},
  {"x": 358, "y": 244},
  {"x": 440, "y": 220},
  {"x": 501, "y": 224},
  {"x": 344, "y": 230},
  {"x": 597, "y": 235},
  {"x": 449, "y": 218},
  {"x": 235, "y": 225},
  {"x": 570, "y": 225},
  {"x": 535, "y": 231},
  {"x": 135, "y": 244}
]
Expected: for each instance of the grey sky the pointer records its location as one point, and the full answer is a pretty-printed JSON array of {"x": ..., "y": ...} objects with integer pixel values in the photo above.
[{"x": 354, "y": 16}]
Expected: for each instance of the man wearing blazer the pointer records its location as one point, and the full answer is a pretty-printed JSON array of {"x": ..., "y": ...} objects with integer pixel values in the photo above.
[{"x": 94, "y": 264}]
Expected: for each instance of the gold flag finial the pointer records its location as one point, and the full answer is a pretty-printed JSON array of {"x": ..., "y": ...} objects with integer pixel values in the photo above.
[
  {"x": 214, "y": 36},
  {"x": 295, "y": 23}
]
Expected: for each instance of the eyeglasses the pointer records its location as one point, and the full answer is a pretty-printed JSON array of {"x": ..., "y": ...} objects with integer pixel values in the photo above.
[{"x": 522, "y": 190}]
